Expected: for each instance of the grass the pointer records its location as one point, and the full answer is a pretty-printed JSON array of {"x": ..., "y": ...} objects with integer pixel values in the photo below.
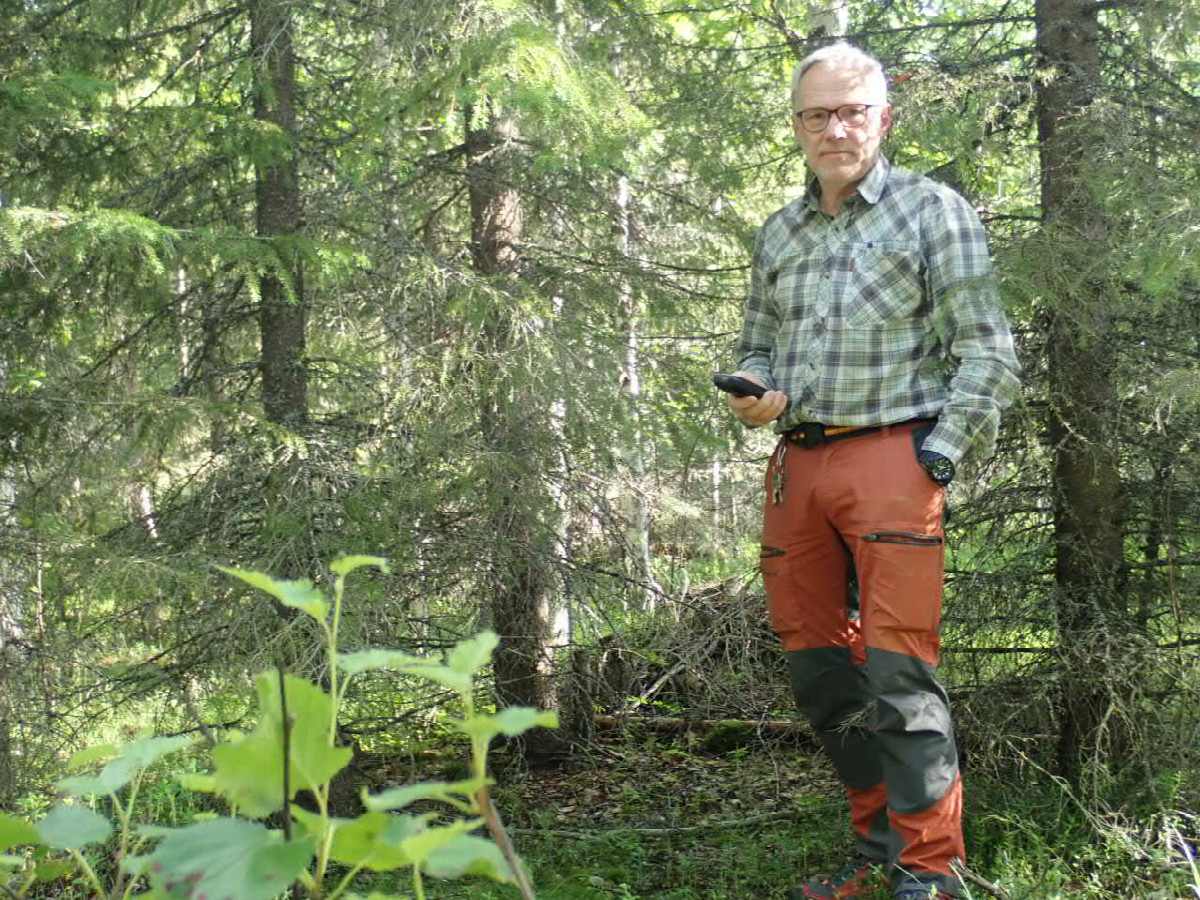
[
  {"x": 647, "y": 817},
  {"x": 654, "y": 820}
]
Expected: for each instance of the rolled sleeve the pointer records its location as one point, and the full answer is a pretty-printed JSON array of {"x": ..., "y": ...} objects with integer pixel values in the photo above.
[{"x": 972, "y": 328}]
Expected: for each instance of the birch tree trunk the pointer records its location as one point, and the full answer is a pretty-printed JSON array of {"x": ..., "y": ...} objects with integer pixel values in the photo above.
[
  {"x": 10, "y": 617},
  {"x": 631, "y": 384}
]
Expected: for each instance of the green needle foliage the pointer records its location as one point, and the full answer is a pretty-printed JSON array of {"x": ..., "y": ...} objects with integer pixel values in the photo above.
[{"x": 292, "y": 748}]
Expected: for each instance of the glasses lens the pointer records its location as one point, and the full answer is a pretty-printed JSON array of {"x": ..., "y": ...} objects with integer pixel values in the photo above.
[
  {"x": 814, "y": 119},
  {"x": 853, "y": 116}
]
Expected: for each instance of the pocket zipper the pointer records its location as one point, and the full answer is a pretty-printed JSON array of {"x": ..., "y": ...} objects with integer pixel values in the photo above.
[{"x": 902, "y": 537}]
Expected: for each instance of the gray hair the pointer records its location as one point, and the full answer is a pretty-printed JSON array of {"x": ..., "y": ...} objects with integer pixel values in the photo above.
[{"x": 845, "y": 55}]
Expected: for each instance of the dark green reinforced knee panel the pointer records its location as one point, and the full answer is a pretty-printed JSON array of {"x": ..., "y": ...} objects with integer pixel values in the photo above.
[{"x": 888, "y": 720}]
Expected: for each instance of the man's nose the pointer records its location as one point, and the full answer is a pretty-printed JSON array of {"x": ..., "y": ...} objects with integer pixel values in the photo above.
[{"x": 835, "y": 127}]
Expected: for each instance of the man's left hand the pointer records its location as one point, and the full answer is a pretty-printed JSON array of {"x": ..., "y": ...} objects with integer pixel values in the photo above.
[{"x": 936, "y": 466}]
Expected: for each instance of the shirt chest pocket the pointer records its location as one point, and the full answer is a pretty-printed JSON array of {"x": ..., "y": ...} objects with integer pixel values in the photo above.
[{"x": 886, "y": 283}]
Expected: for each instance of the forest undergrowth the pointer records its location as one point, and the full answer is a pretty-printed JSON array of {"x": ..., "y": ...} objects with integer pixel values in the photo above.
[
  {"x": 646, "y": 815},
  {"x": 698, "y": 783}
]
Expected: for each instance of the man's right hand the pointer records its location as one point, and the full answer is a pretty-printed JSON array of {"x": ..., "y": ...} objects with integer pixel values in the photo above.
[{"x": 755, "y": 411}]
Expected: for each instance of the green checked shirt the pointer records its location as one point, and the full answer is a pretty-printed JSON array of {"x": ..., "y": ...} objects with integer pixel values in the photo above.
[{"x": 884, "y": 313}]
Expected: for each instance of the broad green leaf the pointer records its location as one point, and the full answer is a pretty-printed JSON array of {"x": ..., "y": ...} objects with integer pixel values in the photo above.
[
  {"x": 300, "y": 594},
  {"x": 483, "y": 728},
  {"x": 72, "y": 827},
  {"x": 518, "y": 719},
  {"x": 469, "y": 854},
  {"x": 260, "y": 580},
  {"x": 421, "y": 845},
  {"x": 195, "y": 781},
  {"x": 144, "y": 752},
  {"x": 89, "y": 755},
  {"x": 16, "y": 832},
  {"x": 87, "y": 785},
  {"x": 153, "y": 832},
  {"x": 375, "y": 841},
  {"x": 313, "y": 823},
  {"x": 398, "y": 798},
  {"x": 344, "y": 565},
  {"x": 228, "y": 859},
  {"x": 469, "y": 656},
  {"x": 368, "y": 660},
  {"x": 249, "y": 771},
  {"x": 137, "y": 866},
  {"x": 512, "y": 721},
  {"x": 53, "y": 869},
  {"x": 444, "y": 675},
  {"x": 137, "y": 754}
]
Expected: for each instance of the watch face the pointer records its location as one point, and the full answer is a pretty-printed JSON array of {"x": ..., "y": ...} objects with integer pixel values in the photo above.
[{"x": 940, "y": 470}]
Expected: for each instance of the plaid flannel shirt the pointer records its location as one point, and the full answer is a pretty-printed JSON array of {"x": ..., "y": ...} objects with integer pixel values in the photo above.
[{"x": 884, "y": 313}]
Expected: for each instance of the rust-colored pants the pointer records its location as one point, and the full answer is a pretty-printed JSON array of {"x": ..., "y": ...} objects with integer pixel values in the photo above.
[{"x": 853, "y": 562}]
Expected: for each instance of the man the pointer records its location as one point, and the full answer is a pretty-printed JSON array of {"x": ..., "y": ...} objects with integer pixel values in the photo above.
[{"x": 874, "y": 322}]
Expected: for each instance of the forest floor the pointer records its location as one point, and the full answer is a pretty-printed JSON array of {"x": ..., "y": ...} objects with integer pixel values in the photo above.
[{"x": 645, "y": 817}]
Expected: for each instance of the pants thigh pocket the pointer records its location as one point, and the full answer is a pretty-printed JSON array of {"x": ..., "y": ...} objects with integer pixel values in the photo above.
[{"x": 901, "y": 581}]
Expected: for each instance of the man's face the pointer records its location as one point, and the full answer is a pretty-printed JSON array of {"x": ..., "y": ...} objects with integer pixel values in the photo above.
[{"x": 841, "y": 155}]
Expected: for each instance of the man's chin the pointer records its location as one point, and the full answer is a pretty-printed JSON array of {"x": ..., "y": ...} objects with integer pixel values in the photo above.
[{"x": 839, "y": 174}]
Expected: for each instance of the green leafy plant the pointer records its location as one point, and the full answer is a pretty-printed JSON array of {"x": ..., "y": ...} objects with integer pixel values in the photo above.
[{"x": 293, "y": 747}]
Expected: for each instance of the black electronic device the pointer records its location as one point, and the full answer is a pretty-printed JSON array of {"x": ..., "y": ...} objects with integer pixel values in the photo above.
[{"x": 738, "y": 386}]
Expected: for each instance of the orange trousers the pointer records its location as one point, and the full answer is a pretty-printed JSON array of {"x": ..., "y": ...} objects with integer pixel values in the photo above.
[{"x": 853, "y": 563}]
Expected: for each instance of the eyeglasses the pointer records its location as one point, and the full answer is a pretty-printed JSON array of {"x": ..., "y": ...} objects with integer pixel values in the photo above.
[{"x": 852, "y": 115}]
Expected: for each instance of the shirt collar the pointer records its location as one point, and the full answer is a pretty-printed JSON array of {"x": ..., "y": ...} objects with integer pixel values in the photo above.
[{"x": 870, "y": 188}]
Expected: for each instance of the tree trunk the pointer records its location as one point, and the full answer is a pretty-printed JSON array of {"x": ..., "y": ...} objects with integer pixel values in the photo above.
[
  {"x": 510, "y": 418},
  {"x": 1084, "y": 412},
  {"x": 12, "y": 589},
  {"x": 642, "y": 568},
  {"x": 282, "y": 311}
]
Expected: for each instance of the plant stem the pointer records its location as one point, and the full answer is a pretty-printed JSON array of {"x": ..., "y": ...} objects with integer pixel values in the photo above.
[
  {"x": 492, "y": 819},
  {"x": 89, "y": 872},
  {"x": 325, "y": 843},
  {"x": 287, "y": 753},
  {"x": 483, "y": 800},
  {"x": 344, "y": 883},
  {"x": 418, "y": 885},
  {"x": 339, "y": 586},
  {"x": 310, "y": 883},
  {"x": 124, "y": 817}
]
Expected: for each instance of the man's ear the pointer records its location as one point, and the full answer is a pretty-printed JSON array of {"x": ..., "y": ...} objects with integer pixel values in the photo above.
[{"x": 885, "y": 120}]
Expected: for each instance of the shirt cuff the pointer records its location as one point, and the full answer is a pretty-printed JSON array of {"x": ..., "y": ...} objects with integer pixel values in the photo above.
[
  {"x": 761, "y": 372},
  {"x": 949, "y": 440}
]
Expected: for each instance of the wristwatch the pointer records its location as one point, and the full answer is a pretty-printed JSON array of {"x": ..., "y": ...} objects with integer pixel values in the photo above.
[{"x": 936, "y": 466}]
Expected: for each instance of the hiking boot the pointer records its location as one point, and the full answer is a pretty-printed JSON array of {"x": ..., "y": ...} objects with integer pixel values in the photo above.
[{"x": 856, "y": 878}]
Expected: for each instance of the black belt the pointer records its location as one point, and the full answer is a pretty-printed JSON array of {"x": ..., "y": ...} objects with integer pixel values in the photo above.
[{"x": 814, "y": 434}]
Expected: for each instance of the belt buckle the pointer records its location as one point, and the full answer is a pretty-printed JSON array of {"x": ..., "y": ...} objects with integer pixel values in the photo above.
[{"x": 812, "y": 434}]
